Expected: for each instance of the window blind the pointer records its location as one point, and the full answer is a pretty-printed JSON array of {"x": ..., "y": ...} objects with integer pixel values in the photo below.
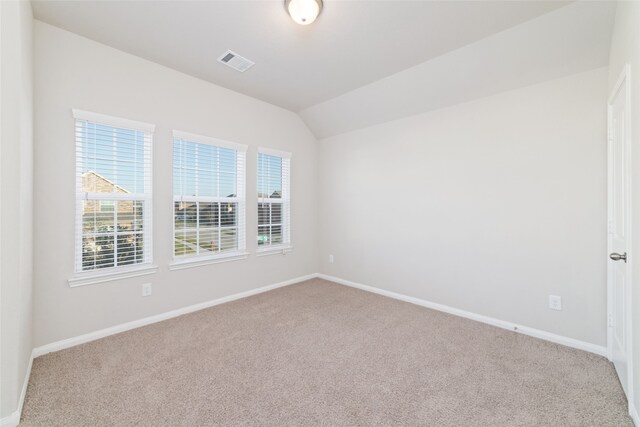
[
  {"x": 113, "y": 192},
  {"x": 209, "y": 197},
  {"x": 274, "y": 202}
]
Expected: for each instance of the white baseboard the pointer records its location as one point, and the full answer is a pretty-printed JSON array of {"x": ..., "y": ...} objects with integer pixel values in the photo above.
[
  {"x": 92, "y": 336},
  {"x": 14, "y": 419},
  {"x": 548, "y": 336},
  {"x": 10, "y": 420},
  {"x": 633, "y": 413}
]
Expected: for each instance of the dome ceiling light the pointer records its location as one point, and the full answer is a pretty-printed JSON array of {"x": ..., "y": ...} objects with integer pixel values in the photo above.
[{"x": 303, "y": 12}]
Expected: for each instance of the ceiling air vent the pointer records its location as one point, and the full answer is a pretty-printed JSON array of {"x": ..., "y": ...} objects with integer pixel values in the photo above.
[{"x": 236, "y": 61}]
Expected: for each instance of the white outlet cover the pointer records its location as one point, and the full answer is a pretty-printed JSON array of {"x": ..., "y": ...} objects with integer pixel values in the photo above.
[
  {"x": 555, "y": 302},
  {"x": 331, "y": 259},
  {"x": 146, "y": 289}
]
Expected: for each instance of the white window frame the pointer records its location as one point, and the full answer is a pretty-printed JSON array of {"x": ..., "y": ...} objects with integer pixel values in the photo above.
[
  {"x": 286, "y": 246},
  {"x": 187, "y": 261},
  {"x": 88, "y": 277}
]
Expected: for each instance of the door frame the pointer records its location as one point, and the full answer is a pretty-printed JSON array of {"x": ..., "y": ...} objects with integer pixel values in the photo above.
[{"x": 623, "y": 80}]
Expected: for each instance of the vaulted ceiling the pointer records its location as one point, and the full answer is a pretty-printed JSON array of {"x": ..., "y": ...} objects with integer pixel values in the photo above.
[{"x": 361, "y": 62}]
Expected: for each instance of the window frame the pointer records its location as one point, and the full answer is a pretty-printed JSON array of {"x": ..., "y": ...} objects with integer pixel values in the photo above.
[
  {"x": 99, "y": 275},
  {"x": 284, "y": 201},
  {"x": 186, "y": 261}
]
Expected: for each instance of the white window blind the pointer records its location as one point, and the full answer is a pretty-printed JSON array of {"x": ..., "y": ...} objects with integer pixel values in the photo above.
[
  {"x": 274, "y": 202},
  {"x": 113, "y": 192},
  {"x": 209, "y": 197}
]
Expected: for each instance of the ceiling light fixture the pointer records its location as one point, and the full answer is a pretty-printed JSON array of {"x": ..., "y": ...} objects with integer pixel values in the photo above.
[{"x": 303, "y": 12}]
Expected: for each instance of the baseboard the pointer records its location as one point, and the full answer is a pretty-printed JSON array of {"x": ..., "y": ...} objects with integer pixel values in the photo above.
[
  {"x": 537, "y": 333},
  {"x": 102, "y": 333},
  {"x": 633, "y": 413},
  {"x": 14, "y": 419},
  {"x": 10, "y": 420},
  {"x": 548, "y": 336}
]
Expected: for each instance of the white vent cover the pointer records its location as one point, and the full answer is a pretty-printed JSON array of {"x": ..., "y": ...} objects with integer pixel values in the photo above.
[{"x": 235, "y": 61}]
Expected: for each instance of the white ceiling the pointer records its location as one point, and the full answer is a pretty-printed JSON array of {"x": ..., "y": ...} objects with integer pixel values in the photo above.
[
  {"x": 352, "y": 44},
  {"x": 569, "y": 40}
]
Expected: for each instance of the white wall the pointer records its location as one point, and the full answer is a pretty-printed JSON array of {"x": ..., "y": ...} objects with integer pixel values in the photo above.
[
  {"x": 523, "y": 55},
  {"x": 16, "y": 201},
  {"x": 625, "y": 49},
  {"x": 74, "y": 72},
  {"x": 488, "y": 206}
]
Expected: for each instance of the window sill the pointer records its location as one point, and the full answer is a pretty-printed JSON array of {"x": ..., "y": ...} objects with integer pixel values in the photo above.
[
  {"x": 274, "y": 250},
  {"x": 197, "y": 262},
  {"x": 92, "y": 278}
]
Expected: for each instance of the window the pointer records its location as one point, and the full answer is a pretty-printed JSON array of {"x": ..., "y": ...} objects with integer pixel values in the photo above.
[
  {"x": 208, "y": 197},
  {"x": 107, "y": 205},
  {"x": 273, "y": 200},
  {"x": 113, "y": 192}
]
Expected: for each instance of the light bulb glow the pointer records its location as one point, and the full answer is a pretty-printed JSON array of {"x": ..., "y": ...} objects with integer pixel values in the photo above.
[{"x": 303, "y": 12}]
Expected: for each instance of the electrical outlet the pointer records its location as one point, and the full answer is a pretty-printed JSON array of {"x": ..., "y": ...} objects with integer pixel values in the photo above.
[
  {"x": 555, "y": 302},
  {"x": 146, "y": 289},
  {"x": 330, "y": 259}
]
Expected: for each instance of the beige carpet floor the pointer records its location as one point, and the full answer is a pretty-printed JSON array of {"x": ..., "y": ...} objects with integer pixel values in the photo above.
[{"x": 318, "y": 353}]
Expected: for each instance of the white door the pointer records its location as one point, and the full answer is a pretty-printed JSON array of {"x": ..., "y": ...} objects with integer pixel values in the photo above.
[{"x": 619, "y": 237}]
